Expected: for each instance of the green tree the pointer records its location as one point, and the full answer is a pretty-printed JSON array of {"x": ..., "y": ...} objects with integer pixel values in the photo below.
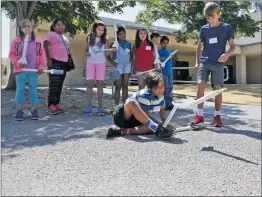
[
  {"x": 79, "y": 15},
  {"x": 190, "y": 15}
]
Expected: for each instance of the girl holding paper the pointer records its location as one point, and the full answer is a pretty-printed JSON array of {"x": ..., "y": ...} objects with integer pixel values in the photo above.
[
  {"x": 143, "y": 55},
  {"x": 96, "y": 44},
  {"x": 122, "y": 63},
  {"x": 27, "y": 51}
]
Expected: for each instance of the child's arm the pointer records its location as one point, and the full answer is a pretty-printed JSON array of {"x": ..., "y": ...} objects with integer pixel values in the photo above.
[
  {"x": 133, "y": 61},
  {"x": 198, "y": 51},
  {"x": 12, "y": 54},
  {"x": 109, "y": 58},
  {"x": 230, "y": 39},
  {"x": 42, "y": 59},
  {"x": 224, "y": 57}
]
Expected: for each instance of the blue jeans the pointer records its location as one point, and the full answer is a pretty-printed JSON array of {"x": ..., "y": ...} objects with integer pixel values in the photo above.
[
  {"x": 168, "y": 95},
  {"x": 32, "y": 79}
]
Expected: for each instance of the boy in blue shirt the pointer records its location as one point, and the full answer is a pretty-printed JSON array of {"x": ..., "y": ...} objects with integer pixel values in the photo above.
[
  {"x": 133, "y": 117},
  {"x": 167, "y": 72},
  {"x": 213, "y": 36}
]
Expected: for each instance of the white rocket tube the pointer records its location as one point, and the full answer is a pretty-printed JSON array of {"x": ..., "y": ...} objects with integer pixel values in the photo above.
[
  {"x": 193, "y": 104},
  {"x": 23, "y": 58},
  {"x": 163, "y": 64},
  {"x": 52, "y": 71}
]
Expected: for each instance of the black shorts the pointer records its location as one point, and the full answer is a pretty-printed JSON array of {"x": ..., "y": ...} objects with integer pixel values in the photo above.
[{"x": 120, "y": 121}]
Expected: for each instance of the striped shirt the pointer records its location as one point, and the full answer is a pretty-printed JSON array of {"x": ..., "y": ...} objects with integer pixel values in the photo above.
[{"x": 147, "y": 101}]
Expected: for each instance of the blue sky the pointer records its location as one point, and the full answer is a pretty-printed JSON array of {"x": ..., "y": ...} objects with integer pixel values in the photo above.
[{"x": 129, "y": 14}]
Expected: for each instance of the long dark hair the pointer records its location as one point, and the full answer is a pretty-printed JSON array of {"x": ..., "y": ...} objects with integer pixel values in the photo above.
[
  {"x": 119, "y": 29},
  {"x": 138, "y": 42},
  {"x": 92, "y": 35},
  {"x": 52, "y": 27},
  {"x": 21, "y": 25}
]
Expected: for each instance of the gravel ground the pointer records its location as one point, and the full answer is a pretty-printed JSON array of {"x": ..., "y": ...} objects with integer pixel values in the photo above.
[{"x": 69, "y": 155}]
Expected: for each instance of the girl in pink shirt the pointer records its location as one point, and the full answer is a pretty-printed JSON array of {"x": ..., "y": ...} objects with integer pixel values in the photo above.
[
  {"x": 35, "y": 58},
  {"x": 96, "y": 64},
  {"x": 57, "y": 49}
]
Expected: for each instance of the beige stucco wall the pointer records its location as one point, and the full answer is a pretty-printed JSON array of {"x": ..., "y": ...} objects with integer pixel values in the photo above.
[{"x": 254, "y": 70}]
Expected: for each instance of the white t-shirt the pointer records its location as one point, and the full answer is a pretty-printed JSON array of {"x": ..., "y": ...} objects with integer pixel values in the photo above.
[{"x": 97, "y": 53}]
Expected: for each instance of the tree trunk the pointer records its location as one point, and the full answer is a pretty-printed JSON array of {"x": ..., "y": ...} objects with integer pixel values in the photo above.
[{"x": 23, "y": 9}]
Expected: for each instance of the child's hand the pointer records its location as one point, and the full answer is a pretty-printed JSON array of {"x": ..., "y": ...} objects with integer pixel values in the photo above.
[
  {"x": 170, "y": 127},
  {"x": 114, "y": 63},
  {"x": 196, "y": 66},
  {"x": 49, "y": 63},
  {"x": 22, "y": 66},
  {"x": 223, "y": 58},
  {"x": 114, "y": 49},
  {"x": 40, "y": 71}
]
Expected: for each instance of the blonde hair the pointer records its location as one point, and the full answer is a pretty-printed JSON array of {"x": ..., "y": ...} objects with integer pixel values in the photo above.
[{"x": 211, "y": 8}]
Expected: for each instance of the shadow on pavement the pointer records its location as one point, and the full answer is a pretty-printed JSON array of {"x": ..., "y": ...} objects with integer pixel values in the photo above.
[{"x": 211, "y": 149}]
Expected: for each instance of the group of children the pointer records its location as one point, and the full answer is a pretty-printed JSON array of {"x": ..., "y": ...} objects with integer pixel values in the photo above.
[{"x": 155, "y": 88}]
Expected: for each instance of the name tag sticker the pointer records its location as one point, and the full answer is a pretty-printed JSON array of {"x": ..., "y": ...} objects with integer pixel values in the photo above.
[
  {"x": 212, "y": 40},
  {"x": 128, "y": 50},
  {"x": 148, "y": 47}
]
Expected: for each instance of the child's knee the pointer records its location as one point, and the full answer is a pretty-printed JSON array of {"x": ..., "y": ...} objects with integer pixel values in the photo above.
[
  {"x": 216, "y": 87},
  {"x": 131, "y": 104},
  {"x": 201, "y": 85}
]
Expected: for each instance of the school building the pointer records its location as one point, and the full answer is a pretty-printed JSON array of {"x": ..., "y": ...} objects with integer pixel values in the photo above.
[{"x": 244, "y": 65}]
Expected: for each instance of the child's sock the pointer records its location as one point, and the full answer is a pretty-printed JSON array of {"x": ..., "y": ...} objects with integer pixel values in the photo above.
[
  {"x": 19, "y": 107},
  {"x": 217, "y": 113},
  {"x": 200, "y": 112},
  {"x": 152, "y": 125}
]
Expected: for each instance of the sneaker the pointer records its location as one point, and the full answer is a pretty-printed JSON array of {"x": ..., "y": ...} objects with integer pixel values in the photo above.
[
  {"x": 198, "y": 119},
  {"x": 113, "y": 132},
  {"x": 163, "y": 132},
  {"x": 217, "y": 121},
  {"x": 34, "y": 115},
  {"x": 88, "y": 111},
  {"x": 52, "y": 110},
  {"x": 19, "y": 115},
  {"x": 100, "y": 111},
  {"x": 59, "y": 108}
]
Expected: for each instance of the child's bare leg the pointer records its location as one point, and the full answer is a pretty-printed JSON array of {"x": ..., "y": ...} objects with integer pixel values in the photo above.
[
  {"x": 118, "y": 84},
  {"x": 132, "y": 108},
  {"x": 218, "y": 99},
  {"x": 99, "y": 84},
  {"x": 19, "y": 107},
  {"x": 201, "y": 86},
  {"x": 141, "y": 83},
  {"x": 90, "y": 85},
  {"x": 143, "y": 129}
]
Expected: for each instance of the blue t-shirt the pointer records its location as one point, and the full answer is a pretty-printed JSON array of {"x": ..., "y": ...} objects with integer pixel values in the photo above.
[
  {"x": 124, "y": 52},
  {"x": 164, "y": 53},
  {"x": 215, "y": 40},
  {"x": 147, "y": 101}
]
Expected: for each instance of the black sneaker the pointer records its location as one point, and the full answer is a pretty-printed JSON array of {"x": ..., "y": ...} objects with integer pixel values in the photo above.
[
  {"x": 113, "y": 132},
  {"x": 34, "y": 115},
  {"x": 169, "y": 108},
  {"x": 163, "y": 132},
  {"x": 19, "y": 115}
]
